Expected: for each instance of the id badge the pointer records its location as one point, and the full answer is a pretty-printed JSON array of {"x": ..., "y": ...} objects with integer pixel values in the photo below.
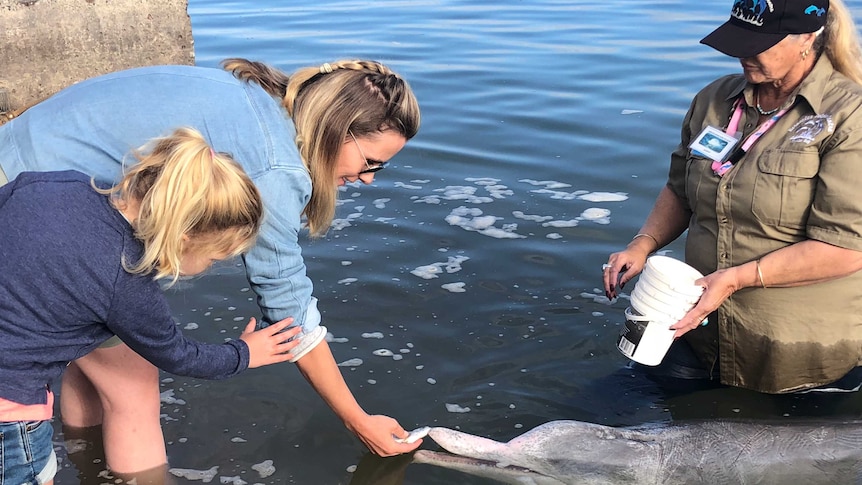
[{"x": 714, "y": 144}]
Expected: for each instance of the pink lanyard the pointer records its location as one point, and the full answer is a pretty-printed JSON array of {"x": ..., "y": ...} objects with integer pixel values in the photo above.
[{"x": 720, "y": 168}]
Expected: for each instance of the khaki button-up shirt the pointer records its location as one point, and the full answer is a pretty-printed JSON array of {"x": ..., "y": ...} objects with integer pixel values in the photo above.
[{"x": 801, "y": 180}]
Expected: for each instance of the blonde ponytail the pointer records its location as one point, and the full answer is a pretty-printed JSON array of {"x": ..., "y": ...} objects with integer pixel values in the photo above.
[
  {"x": 185, "y": 191},
  {"x": 840, "y": 41}
]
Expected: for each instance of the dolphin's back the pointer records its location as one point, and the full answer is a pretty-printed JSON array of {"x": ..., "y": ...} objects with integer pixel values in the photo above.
[{"x": 738, "y": 452}]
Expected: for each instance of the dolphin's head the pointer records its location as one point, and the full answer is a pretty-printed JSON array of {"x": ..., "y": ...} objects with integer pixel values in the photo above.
[
  {"x": 487, "y": 469},
  {"x": 555, "y": 452},
  {"x": 464, "y": 444}
]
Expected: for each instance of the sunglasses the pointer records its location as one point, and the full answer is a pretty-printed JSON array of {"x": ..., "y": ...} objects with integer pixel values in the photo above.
[{"x": 371, "y": 166}]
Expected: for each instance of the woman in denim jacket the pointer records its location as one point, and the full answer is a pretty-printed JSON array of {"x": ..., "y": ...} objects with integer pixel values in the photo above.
[{"x": 298, "y": 136}]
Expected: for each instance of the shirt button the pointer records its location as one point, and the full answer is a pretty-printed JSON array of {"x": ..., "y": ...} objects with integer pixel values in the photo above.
[{"x": 723, "y": 256}]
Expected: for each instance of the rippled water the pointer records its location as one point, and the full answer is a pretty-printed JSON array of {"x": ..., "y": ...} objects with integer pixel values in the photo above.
[{"x": 546, "y": 115}]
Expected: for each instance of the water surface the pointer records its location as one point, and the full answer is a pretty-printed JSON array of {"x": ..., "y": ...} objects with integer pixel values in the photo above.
[{"x": 555, "y": 118}]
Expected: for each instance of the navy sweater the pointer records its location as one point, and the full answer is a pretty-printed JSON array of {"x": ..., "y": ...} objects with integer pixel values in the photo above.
[{"x": 63, "y": 290}]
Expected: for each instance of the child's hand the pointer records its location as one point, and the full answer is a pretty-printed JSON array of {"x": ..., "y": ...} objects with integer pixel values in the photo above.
[{"x": 268, "y": 346}]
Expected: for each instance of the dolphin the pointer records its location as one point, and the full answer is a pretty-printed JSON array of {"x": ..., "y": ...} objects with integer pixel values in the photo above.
[{"x": 704, "y": 452}]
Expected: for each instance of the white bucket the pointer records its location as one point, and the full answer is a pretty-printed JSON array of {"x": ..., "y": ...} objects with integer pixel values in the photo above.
[
  {"x": 672, "y": 272},
  {"x": 683, "y": 290},
  {"x": 645, "y": 340},
  {"x": 652, "y": 307},
  {"x": 664, "y": 293}
]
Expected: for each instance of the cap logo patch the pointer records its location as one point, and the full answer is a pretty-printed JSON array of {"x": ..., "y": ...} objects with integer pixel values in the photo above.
[
  {"x": 813, "y": 9},
  {"x": 751, "y": 11}
]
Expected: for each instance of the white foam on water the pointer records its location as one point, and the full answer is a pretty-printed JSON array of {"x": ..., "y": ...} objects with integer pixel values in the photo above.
[
  {"x": 529, "y": 217},
  {"x": 430, "y": 271},
  {"x": 329, "y": 337},
  {"x": 471, "y": 219},
  {"x": 205, "y": 476},
  {"x": 383, "y": 353},
  {"x": 504, "y": 233},
  {"x": 454, "y": 408},
  {"x": 347, "y": 281},
  {"x": 596, "y": 298},
  {"x": 339, "y": 224},
  {"x": 356, "y": 362},
  {"x": 377, "y": 335},
  {"x": 558, "y": 195},
  {"x": 631, "y": 111},
  {"x": 264, "y": 468},
  {"x": 457, "y": 287},
  {"x": 232, "y": 480},
  {"x": 191, "y": 326},
  {"x": 569, "y": 223},
  {"x": 427, "y": 272},
  {"x": 597, "y": 215},
  {"x": 402, "y": 185},
  {"x": 604, "y": 197},
  {"x": 167, "y": 397},
  {"x": 550, "y": 184}
]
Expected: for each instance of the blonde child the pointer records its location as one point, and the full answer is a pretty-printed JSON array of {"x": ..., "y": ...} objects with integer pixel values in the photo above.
[{"x": 80, "y": 263}]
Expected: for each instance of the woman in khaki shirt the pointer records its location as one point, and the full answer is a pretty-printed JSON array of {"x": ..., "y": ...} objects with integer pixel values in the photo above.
[{"x": 775, "y": 224}]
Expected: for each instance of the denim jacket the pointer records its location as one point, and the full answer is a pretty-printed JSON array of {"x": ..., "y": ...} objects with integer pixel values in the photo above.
[{"x": 91, "y": 127}]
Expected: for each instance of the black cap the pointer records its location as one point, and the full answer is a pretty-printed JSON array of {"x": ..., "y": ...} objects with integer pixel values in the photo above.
[{"x": 757, "y": 25}]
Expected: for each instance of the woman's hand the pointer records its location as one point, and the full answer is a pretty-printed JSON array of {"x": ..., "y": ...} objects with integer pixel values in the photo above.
[
  {"x": 269, "y": 345},
  {"x": 623, "y": 266},
  {"x": 718, "y": 287},
  {"x": 379, "y": 432}
]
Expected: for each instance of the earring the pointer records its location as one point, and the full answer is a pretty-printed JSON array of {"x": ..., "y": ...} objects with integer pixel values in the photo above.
[{"x": 805, "y": 53}]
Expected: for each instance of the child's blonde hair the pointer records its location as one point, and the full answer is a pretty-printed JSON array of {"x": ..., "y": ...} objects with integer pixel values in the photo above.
[{"x": 186, "y": 190}]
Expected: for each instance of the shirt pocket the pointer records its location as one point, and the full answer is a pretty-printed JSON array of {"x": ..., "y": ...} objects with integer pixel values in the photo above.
[
  {"x": 698, "y": 175},
  {"x": 784, "y": 187}
]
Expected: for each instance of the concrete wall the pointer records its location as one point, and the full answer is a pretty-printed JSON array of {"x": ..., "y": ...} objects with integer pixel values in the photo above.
[{"x": 46, "y": 45}]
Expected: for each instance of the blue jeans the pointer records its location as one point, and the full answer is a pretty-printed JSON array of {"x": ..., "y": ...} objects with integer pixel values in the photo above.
[{"x": 26, "y": 453}]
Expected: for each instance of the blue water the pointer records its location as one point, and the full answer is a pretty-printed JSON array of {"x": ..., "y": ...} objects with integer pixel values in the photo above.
[{"x": 514, "y": 95}]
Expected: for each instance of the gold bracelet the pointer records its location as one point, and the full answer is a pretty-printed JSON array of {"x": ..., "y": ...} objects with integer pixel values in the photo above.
[
  {"x": 759, "y": 274},
  {"x": 643, "y": 234}
]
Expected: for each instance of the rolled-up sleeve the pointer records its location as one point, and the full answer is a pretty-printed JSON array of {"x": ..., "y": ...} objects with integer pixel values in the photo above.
[
  {"x": 836, "y": 214},
  {"x": 274, "y": 266}
]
